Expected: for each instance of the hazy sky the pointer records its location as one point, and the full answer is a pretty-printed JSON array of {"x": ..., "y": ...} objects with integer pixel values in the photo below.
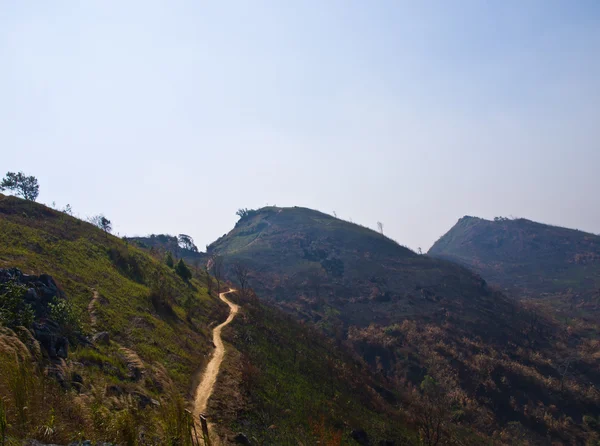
[{"x": 168, "y": 116}]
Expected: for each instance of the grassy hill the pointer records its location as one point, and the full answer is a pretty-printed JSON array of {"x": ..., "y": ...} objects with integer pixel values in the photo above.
[
  {"x": 528, "y": 258},
  {"x": 158, "y": 327},
  {"x": 133, "y": 388},
  {"x": 496, "y": 367}
]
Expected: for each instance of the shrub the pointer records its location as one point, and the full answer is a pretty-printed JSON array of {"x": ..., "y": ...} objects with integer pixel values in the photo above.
[
  {"x": 14, "y": 311},
  {"x": 183, "y": 271},
  {"x": 169, "y": 260},
  {"x": 127, "y": 263},
  {"x": 65, "y": 315}
]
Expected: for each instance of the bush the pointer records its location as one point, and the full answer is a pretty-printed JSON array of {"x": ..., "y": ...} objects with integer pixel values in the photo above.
[
  {"x": 183, "y": 271},
  {"x": 127, "y": 263},
  {"x": 169, "y": 260},
  {"x": 14, "y": 311},
  {"x": 65, "y": 315}
]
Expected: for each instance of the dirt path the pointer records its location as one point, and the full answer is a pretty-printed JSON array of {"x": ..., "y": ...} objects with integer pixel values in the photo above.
[{"x": 209, "y": 378}]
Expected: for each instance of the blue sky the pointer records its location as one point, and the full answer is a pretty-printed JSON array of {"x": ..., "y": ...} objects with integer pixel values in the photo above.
[{"x": 168, "y": 116}]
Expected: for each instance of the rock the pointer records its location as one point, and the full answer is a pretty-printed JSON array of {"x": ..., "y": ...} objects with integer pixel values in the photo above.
[
  {"x": 62, "y": 348},
  {"x": 76, "y": 378},
  {"x": 41, "y": 291},
  {"x": 241, "y": 439},
  {"x": 143, "y": 400},
  {"x": 102, "y": 338},
  {"x": 360, "y": 436},
  {"x": 114, "y": 390}
]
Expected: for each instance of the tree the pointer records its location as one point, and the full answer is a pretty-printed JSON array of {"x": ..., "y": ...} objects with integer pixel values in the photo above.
[
  {"x": 169, "y": 260},
  {"x": 380, "y": 227},
  {"x": 22, "y": 185},
  {"x": 208, "y": 279},
  {"x": 432, "y": 416},
  {"x": 242, "y": 212},
  {"x": 216, "y": 267},
  {"x": 187, "y": 242},
  {"x": 183, "y": 271},
  {"x": 242, "y": 274},
  {"x": 101, "y": 222}
]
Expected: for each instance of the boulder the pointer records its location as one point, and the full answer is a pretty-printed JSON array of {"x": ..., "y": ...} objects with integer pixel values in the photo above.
[
  {"x": 102, "y": 338},
  {"x": 241, "y": 439},
  {"x": 361, "y": 437}
]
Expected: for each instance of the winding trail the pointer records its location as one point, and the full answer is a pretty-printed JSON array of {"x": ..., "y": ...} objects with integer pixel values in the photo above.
[{"x": 209, "y": 378}]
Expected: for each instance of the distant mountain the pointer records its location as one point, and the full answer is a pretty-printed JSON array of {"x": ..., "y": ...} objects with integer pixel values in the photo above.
[
  {"x": 527, "y": 258},
  {"x": 418, "y": 321}
]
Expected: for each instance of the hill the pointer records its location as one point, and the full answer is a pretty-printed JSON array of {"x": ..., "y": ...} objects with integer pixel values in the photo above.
[
  {"x": 495, "y": 366},
  {"x": 117, "y": 338},
  {"x": 316, "y": 265},
  {"x": 528, "y": 258},
  {"x": 154, "y": 327}
]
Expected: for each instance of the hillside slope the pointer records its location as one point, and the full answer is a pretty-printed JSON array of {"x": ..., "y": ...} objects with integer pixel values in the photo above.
[
  {"x": 134, "y": 380},
  {"x": 314, "y": 264},
  {"x": 153, "y": 335},
  {"x": 528, "y": 258},
  {"x": 431, "y": 328}
]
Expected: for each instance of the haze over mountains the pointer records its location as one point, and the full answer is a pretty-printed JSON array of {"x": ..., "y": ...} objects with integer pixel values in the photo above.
[
  {"x": 137, "y": 308},
  {"x": 528, "y": 258}
]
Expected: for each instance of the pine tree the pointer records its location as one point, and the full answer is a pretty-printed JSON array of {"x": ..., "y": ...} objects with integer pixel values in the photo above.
[
  {"x": 169, "y": 260},
  {"x": 183, "y": 270}
]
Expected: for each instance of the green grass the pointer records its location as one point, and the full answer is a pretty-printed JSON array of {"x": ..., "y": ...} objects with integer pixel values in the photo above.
[{"x": 81, "y": 259}]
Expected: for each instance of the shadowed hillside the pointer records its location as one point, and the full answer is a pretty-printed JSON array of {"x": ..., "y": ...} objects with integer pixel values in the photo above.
[
  {"x": 452, "y": 347},
  {"x": 316, "y": 266},
  {"x": 528, "y": 258}
]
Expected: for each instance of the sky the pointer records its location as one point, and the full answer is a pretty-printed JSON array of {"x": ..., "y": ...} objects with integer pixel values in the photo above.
[{"x": 168, "y": 116}]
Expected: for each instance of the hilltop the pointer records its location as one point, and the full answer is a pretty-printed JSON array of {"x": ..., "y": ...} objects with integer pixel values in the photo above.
[
  {"x": 419, "y": 322},
  {"x": 316, "y": 265},
  {"x": 528, "y": 258}
]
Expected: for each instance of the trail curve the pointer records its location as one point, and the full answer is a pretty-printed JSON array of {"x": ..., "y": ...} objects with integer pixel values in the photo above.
[{"x": 209, "y": 377}]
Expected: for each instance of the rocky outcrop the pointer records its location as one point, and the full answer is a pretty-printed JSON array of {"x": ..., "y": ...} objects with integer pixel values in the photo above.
[
  {"x": 41, "y": 291},
  {"x": 102, "y": 338}
]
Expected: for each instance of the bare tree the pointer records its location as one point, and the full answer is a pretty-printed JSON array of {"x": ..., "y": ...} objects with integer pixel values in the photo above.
[
  {"x": 217, "y": 270},
  {"x": 432, "y": 415},
  {"x": 380, "y": 227},
  {"x": 101, "y": 222},
  {"x": 242, "y": 274}
]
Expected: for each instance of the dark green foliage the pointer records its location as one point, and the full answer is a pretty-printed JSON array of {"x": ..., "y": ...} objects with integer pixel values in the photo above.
[
  {"x": 22, "y": 185},
  {"x": 14, "y": 311},
  {"x": 67, "y": 317},
  {"x": 183, "y": 271},
  {"x": 100, "y": 221},
  {"x": 245, "y": 213},
  {"x": 169, "y": 260},
  {"x": 187, "y": 242},
  {"x": 334, "y": 267},
  {"x": 127, "y": 262}
]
